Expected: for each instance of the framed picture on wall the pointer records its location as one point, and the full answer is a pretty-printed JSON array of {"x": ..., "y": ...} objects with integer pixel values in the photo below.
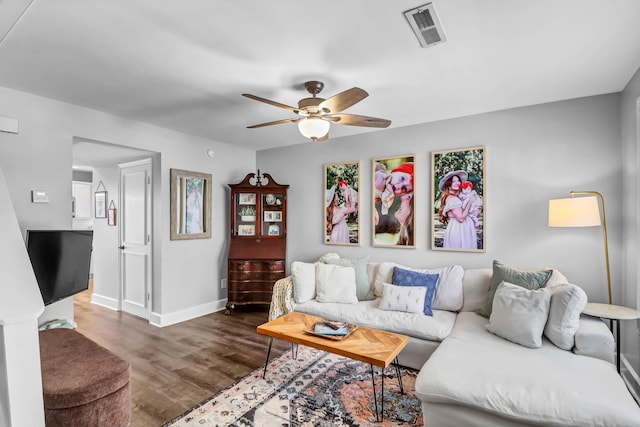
[
  {"x": 458, "y": 199},
  {"x": 190, "y": 205},
  {"x": 393, "y": 201},
  {"x": 341, "y": 216}
]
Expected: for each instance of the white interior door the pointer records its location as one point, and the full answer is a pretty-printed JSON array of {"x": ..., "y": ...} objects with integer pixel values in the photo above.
[{"x": 135, "y": 238}]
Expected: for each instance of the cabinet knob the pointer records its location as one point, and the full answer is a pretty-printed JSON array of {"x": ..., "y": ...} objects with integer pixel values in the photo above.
[
  {"x": 272, "y": 276},
  {"x": 241, "y": 267},
  {"x": 258, "y": 240},
  {"x": 271, "y": 266}
]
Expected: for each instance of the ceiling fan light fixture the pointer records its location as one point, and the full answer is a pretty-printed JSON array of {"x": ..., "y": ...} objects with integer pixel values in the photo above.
[{"x": 313, "y": 127}]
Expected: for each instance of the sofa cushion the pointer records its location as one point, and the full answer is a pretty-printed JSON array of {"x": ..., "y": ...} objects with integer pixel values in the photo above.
[
  {"x": 567, "y": 302},
  {"x": 360, "y": 267},
  {"x": 475, "y": 285},
  {"x": 402, "y": 277},
  {"x": 545, "y": 386},
  {"x": 519, "y": 314},
  {"x": 449, "y": 292},
  {"x": 525, "y": 278},
  {"x": 403, "y": 298},
  {"x": 303, "y": 275},
  {"x": 335, "y": 283},
  {"x": 594, "y": 339},
  {"x": 367, "y": 313}
]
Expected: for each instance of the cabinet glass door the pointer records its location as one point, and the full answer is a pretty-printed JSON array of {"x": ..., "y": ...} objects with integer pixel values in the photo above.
[
  {"x": 272, "y": 214},
  {"x": 245, "y": 214}
]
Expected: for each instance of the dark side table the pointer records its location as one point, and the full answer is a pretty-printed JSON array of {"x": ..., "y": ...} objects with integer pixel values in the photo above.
[{"x": 616, "y": 313}]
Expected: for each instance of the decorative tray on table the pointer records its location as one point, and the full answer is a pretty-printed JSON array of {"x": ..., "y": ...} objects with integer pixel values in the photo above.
[{"x": 332, "y": 329}]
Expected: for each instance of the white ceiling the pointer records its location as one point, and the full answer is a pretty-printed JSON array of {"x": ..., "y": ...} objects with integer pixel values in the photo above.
[{"x": 184, "y": 64}]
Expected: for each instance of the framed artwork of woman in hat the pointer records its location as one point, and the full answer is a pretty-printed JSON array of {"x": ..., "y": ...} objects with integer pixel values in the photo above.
[
  {"x": 393, "y": 201},
  {"x": 342, "y": 220},
  {"x": 458, "y": 199}
]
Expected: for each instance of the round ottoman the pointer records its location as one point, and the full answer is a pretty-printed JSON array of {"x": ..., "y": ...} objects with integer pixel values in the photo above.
[{"x": 83, "y": 383}]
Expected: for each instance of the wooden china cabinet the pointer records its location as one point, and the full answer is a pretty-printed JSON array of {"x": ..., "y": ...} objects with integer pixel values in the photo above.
[{"x": 257, "y": 250}]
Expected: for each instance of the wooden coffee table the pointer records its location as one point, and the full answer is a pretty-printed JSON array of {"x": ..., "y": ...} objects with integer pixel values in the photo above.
[{"x": 368, "y": 345}]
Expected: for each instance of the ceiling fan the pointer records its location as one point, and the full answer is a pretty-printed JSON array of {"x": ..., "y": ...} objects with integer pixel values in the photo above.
[{"x": 316, "y": 114}]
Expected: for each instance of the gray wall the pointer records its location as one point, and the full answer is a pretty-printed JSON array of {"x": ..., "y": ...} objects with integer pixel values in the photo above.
[{"x": 40, "y": 157}]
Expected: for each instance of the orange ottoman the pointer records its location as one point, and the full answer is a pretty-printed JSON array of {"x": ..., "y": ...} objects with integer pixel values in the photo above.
[{"x": 83, "y": 383}]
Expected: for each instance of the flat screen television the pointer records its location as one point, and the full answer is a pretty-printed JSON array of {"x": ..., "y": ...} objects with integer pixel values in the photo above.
[{"x": 61, "y": 261}]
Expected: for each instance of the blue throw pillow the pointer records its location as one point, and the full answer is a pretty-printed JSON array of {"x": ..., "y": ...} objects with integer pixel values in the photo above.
[{"x": 402, "y": 277}]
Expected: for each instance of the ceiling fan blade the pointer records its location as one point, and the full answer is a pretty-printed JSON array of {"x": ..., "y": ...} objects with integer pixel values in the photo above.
[
  {"x": 343, "y": 100},
  {"x": 277, "y": 122},
  {"x": 356, "y": 120},
  {"x": 270, "y": 102}
]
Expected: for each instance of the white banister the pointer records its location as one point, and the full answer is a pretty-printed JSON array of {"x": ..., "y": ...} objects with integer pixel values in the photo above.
[{"x": 20, "y": 305}]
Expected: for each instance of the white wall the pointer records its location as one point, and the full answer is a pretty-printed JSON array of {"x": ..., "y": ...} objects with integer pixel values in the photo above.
[
  {"x": 631, "y": 210},
  {"x": 40, "y": 157}
]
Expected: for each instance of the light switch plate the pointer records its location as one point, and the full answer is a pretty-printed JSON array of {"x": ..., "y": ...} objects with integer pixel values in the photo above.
[{"x": 38, "y": 196}]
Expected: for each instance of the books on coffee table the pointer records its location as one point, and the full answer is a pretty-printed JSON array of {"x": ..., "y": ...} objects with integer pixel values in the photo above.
[{"x": 330, "y": 327}]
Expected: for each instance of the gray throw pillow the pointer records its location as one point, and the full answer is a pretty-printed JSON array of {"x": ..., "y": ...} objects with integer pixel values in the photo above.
[
  {"x": 519, "y": 315},
  {"x": 501, "y": 273},
  {"x": 363, "y": 283}
]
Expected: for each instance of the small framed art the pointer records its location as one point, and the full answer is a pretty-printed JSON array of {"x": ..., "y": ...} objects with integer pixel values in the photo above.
[
  {"x": 274, "y": 230},
  {"x": 100, "y": 204},
  {"x": 458, "y": 210}
]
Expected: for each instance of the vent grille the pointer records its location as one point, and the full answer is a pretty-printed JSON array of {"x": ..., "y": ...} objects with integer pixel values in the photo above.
[{"x": 425, "y": 24}]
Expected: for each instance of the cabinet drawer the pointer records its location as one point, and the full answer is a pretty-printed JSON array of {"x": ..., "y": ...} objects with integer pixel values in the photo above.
[
  {"x": 255, "y": 276},
  {"x": 275, "y": 266},
  {"x": 240, "y": 297},
  {"x": 250, "y": 286}
]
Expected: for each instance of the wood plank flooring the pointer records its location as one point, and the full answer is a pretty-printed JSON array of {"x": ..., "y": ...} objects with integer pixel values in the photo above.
[{"x": 176, "y": 367}]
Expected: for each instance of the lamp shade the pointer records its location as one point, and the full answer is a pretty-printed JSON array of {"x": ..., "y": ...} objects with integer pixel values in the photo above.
[
  {"x": 574, "y": 212},
  {"x": 313, "y": 127}
]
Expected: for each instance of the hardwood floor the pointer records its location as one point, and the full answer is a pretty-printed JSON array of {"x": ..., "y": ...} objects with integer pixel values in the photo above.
[{"x": 176, "y": 367}]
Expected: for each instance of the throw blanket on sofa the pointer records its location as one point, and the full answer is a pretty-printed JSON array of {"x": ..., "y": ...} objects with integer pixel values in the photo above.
[{"x": 282, "y": 301}]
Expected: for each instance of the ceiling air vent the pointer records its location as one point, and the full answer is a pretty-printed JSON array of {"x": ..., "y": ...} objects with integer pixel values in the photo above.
[{"x": 425, "y": 24}]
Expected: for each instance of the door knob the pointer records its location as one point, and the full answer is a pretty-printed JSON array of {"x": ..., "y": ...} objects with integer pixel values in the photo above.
[{"x": 121, "y": 247}]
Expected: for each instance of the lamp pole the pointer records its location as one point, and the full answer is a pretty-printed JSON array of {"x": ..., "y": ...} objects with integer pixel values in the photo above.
[{"x": 604, "y": 233}]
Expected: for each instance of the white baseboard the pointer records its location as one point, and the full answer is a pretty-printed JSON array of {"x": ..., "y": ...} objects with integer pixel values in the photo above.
[
  {"x": 162, "y": 320},
  {"x": 108, "y": 302},
  {"x": 631, "y": 378}
]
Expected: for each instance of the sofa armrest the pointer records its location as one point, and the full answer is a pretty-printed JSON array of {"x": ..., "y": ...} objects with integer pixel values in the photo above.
[
  {"x": 282, "y": 301},
  {"x": 594, "y": 339}
]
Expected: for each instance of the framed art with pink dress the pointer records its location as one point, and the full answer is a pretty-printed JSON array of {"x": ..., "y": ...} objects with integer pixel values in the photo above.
[
  {"x": 458, "y": 200},
  {"x": 393, "y": 201},
  {"x": 341, "y": 203}
]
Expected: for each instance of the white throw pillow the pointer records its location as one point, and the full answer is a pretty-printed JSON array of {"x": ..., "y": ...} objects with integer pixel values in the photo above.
[
  {"x": 567, "y": 302},
  {"x": 303, "y": 275},
  {"x": 449, "y": 295},
  {"x": 409, "y": 299},
  {"x": 556, "y": 279},
  {"x": 335, "y": 283},
  {"x": 519, "y": 314}
]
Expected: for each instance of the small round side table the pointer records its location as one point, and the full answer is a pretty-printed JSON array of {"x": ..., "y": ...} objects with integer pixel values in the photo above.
[{"x": 616, "y": 313}]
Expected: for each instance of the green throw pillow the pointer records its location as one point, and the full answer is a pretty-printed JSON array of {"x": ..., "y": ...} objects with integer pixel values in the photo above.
[
  {"x": 531, "y": 280},
  {"x": 363, "y": 283}
]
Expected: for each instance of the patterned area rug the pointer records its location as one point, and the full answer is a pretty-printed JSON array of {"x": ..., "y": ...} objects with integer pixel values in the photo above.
[{"x": 316, "y": 389}]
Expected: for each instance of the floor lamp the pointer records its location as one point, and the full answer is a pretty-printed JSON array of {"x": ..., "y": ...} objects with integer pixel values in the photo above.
[{"x": 582, "y": 212}]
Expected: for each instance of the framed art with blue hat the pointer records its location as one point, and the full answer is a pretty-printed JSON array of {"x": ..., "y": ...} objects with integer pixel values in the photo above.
[
  {"x": 341, "y": 203},
  {"x": 458, "y": 199}
]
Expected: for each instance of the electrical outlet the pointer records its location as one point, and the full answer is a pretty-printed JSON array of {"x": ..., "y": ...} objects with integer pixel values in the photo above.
[{"x": 223, "y": 284}]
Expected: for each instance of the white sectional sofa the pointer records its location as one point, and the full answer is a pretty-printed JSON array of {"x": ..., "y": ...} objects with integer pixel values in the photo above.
[{"x": 470, "y": 376}]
